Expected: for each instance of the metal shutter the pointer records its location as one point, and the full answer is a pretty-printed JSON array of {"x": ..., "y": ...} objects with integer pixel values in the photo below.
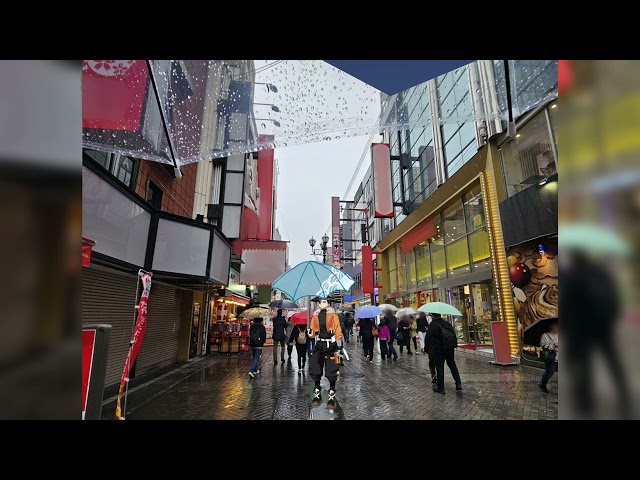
[
  {"x": 160, "y": 345},
  {"x": 109, "y": 298}
]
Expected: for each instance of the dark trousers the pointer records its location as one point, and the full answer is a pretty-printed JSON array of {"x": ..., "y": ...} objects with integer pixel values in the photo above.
[
  {"x": 367, "y": 346},
  {"x": 275, "y": 350},
  {"x": 384, "y": 349},
  {"x": 310, "y": 346},
  {"x": 406, "y": 342},
  {"x": 346, "y": 334},
  {"x": 551, "y": 367},
  {"x": 415, "y": 343},
  {"x": 290, "y": 350},
  {"x": 302, "y": 354},
  {"x": 392, "y": 349},
  {"x": 432, "y": 363},
  {"x": 322, "y": 358},
  {"x": 446, "y": 356}
]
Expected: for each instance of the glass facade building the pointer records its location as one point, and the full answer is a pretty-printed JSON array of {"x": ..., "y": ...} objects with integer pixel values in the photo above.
[{"x": 446, "y": 120}]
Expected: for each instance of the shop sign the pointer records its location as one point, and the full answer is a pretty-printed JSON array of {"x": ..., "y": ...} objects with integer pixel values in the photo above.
[{"x": 234, "y": 285}]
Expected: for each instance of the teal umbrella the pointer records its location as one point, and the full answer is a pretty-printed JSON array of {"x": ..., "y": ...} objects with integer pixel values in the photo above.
[
  {"x": 589, "y": 237},
  {"x": 312, "y": 279},
  {"x": 441, "y": 308}
]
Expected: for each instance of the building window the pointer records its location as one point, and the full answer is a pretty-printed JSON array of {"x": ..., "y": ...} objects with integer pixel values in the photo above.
[
  {"x": 474, "y": 208},
  {"x": 122, "y": 167},
  {"x": 454, "y": 222},
  {"x": 528, "y": 158},
  {"x": 458, "y": 257},
  {"x": 480, "y": 250},
  {"x": 154, "y": 195}
]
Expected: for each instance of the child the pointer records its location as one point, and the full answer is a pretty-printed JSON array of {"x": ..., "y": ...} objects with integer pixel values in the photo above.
[{"x": 384, "y": 336}]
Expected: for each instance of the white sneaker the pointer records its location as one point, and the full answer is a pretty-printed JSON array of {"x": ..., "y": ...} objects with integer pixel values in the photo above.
[
  {"x": 252, "y": 375},
  {"x": 257, "y": 371},
  {"x": 299, "y": 371}
]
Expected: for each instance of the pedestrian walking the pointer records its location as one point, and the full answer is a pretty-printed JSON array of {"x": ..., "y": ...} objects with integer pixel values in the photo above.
[
  {"x": 549, "y": 344},
  {"x": 444, "y": 343},
  {"x": 384, "y": 336},
  {"x": 404, "y": 334},
  {"x": 279, "y": 336},
  {"x": 348, "y": 323},
  {"x": 287, "y": 333},
  {"x": 428, "y": 349},
  {"x": 299, "y": 337},
  {"x": 257, "y": 337},
  {"x": 392, "y": 323},
  {"x": 358, "y": 337},
  {"x": 421, "y": 327},
  {"x": 326, "y": 328},
  {"x": 312, "y": 343},
  {"x": 414, "y": 334},
  {"x": 366, "y": 333}
]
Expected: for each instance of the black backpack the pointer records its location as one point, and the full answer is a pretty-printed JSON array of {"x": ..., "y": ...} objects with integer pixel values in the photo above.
[
  {"x": 449, "y": 338},
  {"x": 255, "y": 338}
]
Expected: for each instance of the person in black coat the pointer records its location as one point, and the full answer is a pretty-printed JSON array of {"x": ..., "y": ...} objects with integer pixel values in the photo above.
[
  {"x": 279, "y": 336},
  {"x": 366, "y": 332},
  {"x": 392, "y": 323},
  {"x": 300, "y": 337},
  {"x": 441, "y": 353},
  {"x": 404, "y": 326},
  {"x": 257, "y": 337}
]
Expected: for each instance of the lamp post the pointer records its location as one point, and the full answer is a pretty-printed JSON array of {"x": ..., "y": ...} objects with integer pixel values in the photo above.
[
  {"x": 274, "y": 108},
  {"x": 323, "y": 247},
  {"x": 275, "y": 122}
]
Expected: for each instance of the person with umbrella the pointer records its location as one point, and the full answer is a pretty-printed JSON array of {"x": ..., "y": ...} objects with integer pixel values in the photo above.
[
  {"x": 348, "y": 323},
  {"x": 392, "y": 323},
  {"x": 443, "y": 341},
  {"x": 549, "y": 344},
  {"x": 299, "y": 337},
  {"x": 279, "y": 336},
  {"x": 257, "y": 337},
  {"x": 325, "y": 328}
]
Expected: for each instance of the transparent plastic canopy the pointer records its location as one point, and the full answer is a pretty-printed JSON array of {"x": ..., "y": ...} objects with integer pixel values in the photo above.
[{"x": 183, "y": 111}]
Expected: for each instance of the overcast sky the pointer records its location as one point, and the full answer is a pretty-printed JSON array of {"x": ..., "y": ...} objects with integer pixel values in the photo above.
[{"x": 310, "y": 175}]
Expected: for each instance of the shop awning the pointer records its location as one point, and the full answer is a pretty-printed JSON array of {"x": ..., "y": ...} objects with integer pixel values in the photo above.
[
  {"x": 421, "y": 232},
  {"x": 234, "y": 297},
  {"x": 264, "y": 261}
]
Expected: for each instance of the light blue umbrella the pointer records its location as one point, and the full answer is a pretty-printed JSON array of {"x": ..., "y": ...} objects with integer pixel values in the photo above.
[
  {"x": 312, "y": 279},
  {"x": 441, "y": 308},
  {"x": 368, "y": 311},
  {"x": 589, "y": 237}
]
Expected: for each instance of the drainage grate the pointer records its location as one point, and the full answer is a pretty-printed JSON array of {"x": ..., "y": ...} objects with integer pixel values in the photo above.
[
  {"x": 292, "y": 408},
  {"x": 351, "y": 375}
]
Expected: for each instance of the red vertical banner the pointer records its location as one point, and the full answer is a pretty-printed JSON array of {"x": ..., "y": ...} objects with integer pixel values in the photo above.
[
  {"x": 336, "y": 241},
  {"x": 87, "y": 245},
  {"x": 266, "y": 173},
  {"x": 565, "y": 75},
  {"x": 367, "y": 270},
  {"x": 382, "y": 188},
  {"x": 137, "y": 337}
]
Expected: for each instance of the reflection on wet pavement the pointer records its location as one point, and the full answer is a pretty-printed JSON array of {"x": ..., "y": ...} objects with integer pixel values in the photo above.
[{"x": 219, "y": 388}]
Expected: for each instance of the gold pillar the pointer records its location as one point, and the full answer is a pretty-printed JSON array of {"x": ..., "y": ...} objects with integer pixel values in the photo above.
[{"x": 498, "y": 252}]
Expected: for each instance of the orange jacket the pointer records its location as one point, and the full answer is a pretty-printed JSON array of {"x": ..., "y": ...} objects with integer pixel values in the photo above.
[{"x": 333, "y": 323}]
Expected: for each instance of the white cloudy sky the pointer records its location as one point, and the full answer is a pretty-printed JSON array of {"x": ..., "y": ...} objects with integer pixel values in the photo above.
[{"x": 316, "y": 101}]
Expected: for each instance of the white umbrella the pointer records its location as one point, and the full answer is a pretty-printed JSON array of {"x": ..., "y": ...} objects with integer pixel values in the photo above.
[
  {"x": 387, "y": 306},
  {"x": 406, "y": 311}
]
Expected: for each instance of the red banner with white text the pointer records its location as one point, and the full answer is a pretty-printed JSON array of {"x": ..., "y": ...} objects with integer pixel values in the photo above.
[{"x": 136, "y": 339}]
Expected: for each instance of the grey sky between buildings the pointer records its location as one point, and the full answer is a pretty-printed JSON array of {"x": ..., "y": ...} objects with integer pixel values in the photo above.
[{"x": 310, "y": 175}]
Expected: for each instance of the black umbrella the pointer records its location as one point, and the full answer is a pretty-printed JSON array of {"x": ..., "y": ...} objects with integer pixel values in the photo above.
[
  {"x": 283, "y": 304},
  {"x": 534, "y": 331}
]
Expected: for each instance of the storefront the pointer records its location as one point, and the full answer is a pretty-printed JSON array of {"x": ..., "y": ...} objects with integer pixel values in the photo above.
[
  {"x": 188, "y": 261},
  {"x": 448, "y": 250}
]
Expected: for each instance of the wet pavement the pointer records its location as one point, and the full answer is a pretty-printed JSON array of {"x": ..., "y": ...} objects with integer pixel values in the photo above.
[{"x": 218, "y": 388}]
